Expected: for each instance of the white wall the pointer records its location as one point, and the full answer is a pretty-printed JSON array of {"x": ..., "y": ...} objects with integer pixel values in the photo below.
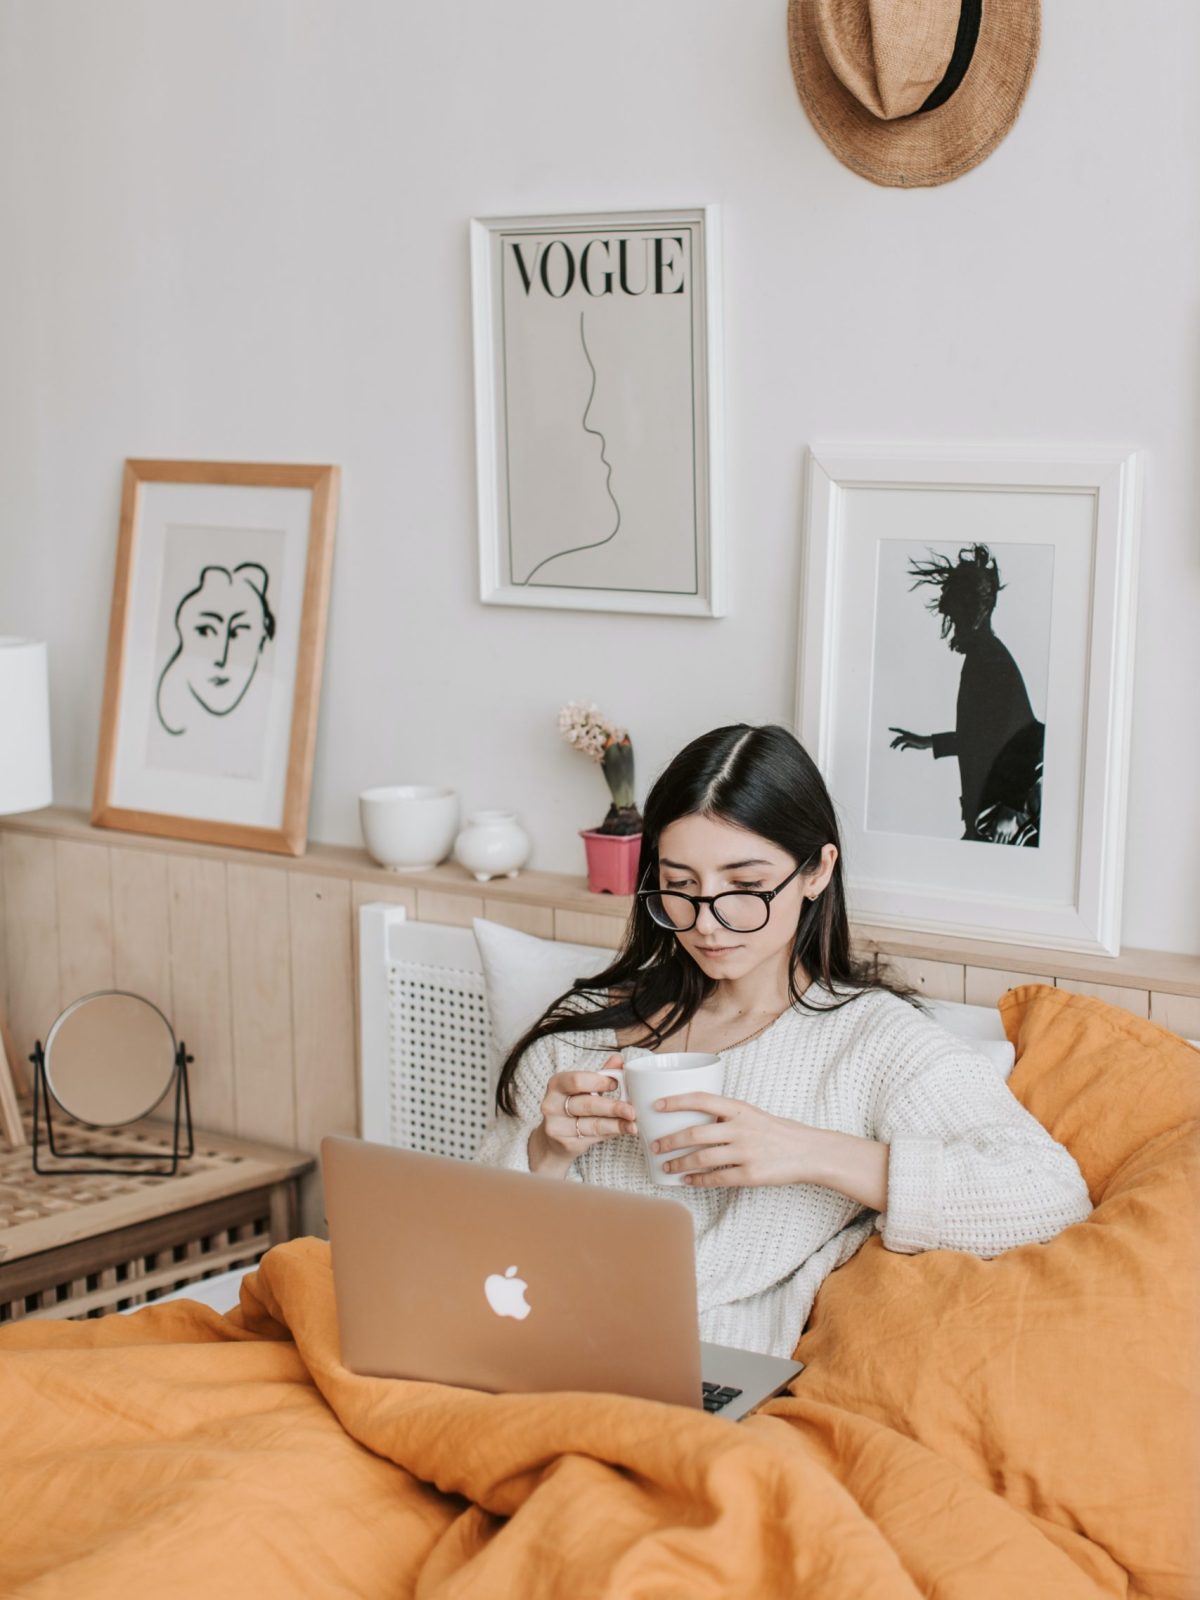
[{"x": 238, "y": 228}]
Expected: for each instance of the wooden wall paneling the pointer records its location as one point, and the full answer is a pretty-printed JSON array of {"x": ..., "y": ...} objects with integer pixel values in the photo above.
[
  {"x": 85, "y": 920},
  {"x": 201, "y": 1004},
  {"x": 141, "y": 924},
  {"x": 1135, "y": 1000},
  {"x": 31, "y": 924},
  {"x": 455, "y": 909},
  {"x": 985, "y": 985},
  {"x": 935, "y": 980},
  {"x": 586, "y": 927},
  {"x": 1178, "y": 1012},
  {"x": 1168, "y": 972},
  {"x": 322, "y": 1020},
  {"x": 260, "y": 980},
  {"x": 538, "y": 920}
]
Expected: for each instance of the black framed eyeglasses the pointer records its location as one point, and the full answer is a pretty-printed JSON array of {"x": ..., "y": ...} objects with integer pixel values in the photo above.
[{"x": 739, "y": 910}]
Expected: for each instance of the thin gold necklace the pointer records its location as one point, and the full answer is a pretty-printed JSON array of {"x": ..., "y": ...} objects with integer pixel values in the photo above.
[{"x": 770, "y": 1023}]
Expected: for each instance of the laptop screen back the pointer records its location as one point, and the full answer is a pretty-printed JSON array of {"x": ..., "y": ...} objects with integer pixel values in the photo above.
[{"x": 456, "y": 1273}]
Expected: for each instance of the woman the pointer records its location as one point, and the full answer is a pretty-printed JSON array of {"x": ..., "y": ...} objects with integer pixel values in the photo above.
[{"x": 845, "y": 1108}]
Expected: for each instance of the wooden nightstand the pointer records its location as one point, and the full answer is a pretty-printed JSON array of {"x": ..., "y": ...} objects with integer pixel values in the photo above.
[{"x": 83, "y": 1246}]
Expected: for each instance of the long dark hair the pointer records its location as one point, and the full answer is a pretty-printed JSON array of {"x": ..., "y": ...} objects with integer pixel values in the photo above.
[{"x": 761, "y": 779}]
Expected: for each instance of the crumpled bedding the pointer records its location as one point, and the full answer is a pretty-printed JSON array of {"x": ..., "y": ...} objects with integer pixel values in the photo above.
[{"x": 1023, "y": 1427}]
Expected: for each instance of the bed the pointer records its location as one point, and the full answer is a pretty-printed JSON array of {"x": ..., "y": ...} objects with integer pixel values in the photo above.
[{"x": 1026, "y": 1425}]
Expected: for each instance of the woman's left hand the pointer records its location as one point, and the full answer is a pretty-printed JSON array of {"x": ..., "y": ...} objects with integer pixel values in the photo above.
[{"x": 747, "y": 1145}]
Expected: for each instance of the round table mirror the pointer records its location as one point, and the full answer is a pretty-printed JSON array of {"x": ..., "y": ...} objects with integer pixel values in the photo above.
[{"x": 110, "y": 1059}]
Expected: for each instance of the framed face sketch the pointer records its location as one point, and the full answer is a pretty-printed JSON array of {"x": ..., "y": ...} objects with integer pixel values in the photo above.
[
  {"x": 215, "y": 649},
  {"x": 597, "y": 403},
  {"x": 965, "y": 683}
]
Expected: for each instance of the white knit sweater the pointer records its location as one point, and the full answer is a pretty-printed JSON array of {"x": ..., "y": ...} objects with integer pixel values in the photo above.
[{"x": 969, "y": 1168}]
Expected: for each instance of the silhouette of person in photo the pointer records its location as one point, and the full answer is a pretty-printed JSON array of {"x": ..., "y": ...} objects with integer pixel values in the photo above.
[
  {"x": 222, "y": 627},
  {"x": 996, "y": 737}
]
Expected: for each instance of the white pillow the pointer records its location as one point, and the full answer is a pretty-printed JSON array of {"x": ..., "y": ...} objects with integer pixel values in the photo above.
[
  {"x": 980, "y": 1026},
  {"x": 523, "y": 974}
]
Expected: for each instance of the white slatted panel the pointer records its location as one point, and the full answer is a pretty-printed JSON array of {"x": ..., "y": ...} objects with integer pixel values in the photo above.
[
  {"x": 425, "y": 1034},
  {"x": 437, "y": 1058}
]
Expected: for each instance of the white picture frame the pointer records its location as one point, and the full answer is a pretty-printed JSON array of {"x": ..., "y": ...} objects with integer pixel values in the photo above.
[
  {"x": 1062, "y": 522},
  {"x": 598, "y": 410}
]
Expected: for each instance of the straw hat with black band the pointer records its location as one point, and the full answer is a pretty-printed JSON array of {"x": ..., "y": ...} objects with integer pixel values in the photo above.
[{"x": 913, "y": 92}]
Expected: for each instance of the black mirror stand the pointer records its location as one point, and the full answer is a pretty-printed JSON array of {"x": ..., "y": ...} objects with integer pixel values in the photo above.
[{"x": 183, "y": 1118}]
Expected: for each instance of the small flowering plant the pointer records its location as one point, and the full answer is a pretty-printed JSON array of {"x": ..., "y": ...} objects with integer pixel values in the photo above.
[{"x": 585, "y": 728}]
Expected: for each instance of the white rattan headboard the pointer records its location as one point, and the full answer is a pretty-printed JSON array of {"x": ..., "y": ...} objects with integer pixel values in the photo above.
[{"x": 424, "y": 1034}]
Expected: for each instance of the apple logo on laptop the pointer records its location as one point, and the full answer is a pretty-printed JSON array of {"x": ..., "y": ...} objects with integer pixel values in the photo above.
[{"x": 506, "y": 1295}]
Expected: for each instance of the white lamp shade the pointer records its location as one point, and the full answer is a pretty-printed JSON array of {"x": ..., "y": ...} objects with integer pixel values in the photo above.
[{"x": 24, "y": 726}]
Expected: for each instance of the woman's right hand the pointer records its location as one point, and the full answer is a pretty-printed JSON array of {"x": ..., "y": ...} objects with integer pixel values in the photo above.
[{"x": 593, "y": 1115}]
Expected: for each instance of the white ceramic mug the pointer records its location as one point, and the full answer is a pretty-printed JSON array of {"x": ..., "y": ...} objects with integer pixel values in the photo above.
[{"x": 647, "y": 1078}]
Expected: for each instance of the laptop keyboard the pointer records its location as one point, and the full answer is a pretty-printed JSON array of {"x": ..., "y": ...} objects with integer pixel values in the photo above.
[{"x": 715, "y": 1397}]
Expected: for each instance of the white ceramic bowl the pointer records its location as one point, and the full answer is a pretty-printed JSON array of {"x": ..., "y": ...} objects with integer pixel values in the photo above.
[{"x": 408, "y": 826}]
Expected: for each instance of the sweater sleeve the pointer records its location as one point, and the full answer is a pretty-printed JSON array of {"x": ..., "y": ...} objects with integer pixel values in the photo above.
[
  {"x": 968, "y": 1167},
  {"x": 505, "y": 1142}
]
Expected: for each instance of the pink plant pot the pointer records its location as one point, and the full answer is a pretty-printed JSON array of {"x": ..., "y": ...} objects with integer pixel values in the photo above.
[{"x": 612, "y": 861}]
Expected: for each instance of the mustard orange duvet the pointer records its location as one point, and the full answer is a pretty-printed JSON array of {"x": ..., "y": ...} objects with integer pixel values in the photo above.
[{"x": 1023, "y": 1427}]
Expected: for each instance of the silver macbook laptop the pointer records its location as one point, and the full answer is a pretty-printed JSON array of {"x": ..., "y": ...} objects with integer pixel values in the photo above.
[{"x": 451, "y": 1272}]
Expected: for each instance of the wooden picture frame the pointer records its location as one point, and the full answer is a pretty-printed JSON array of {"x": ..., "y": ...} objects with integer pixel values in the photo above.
[
  {"x": 12, "y": 1129},
  {"x": 251, "y": 775},
  {"x": 886, "y": 524}
]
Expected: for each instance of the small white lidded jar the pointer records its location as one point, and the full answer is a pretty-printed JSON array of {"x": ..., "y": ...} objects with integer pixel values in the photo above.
[{"x": 493, "y": 845}]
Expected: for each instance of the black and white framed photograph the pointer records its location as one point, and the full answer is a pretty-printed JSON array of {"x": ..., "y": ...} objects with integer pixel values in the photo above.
[
  {"x": 597, "y": 400},
  {"x": 215, "y": 647},
  {"x": 965, "y": 672}
]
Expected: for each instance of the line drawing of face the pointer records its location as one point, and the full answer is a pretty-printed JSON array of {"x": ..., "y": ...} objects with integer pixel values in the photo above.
[
  {"x": 587, "y": 427},
  {"x": 222, "y": 627}
]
